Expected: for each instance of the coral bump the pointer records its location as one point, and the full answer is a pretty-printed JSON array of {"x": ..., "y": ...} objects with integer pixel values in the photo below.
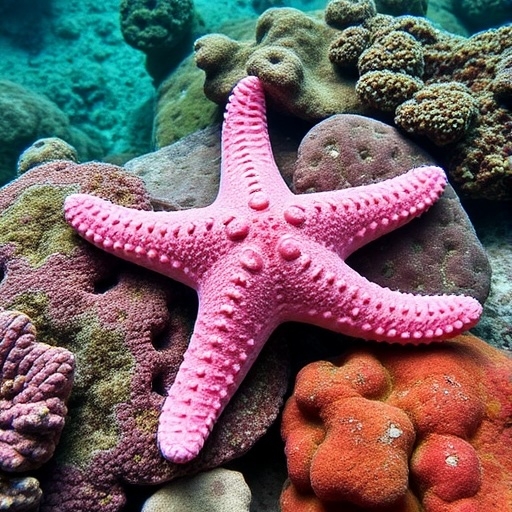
[{"x": 259, "y": 256}]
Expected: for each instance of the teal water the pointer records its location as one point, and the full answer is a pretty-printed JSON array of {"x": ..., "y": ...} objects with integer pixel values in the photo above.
[{"x": 73, "y": 53}]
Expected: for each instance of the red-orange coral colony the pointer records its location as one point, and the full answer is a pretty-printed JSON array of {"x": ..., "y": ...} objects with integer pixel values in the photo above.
[{"x": 402, "y": 429}]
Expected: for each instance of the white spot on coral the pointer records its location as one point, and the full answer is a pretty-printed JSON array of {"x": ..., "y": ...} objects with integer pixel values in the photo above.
[
  {"x": 392, "y": 432},
  {"x": 452, "y": 460}
]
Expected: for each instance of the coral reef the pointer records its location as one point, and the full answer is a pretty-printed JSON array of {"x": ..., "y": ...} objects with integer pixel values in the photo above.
[
  {"x": 128, "y": 331},
  {"x": 158, "y": 28},
  {"x": 455, "y": 88},
  {"x": 441, "y": 112},
  {"x": 436, "y": 418},
  {"x": 36, "y": 383},
  {"x": 290, "y": 56},
  {"x": 441, "y": 88},
  {"x": 27, "y": 117},
  {"x": 45, "y": 150},
  {"x": 19, "y": 494},
  {"x": 248, "y": 256},
  {"x": 218, "y": 490}
]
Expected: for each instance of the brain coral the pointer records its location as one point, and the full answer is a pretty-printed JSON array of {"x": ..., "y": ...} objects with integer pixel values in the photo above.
[
  {"x": 46, "y": 150},
  {"x": 128, "y": 331},
  {"x": 390, "y": 428}
]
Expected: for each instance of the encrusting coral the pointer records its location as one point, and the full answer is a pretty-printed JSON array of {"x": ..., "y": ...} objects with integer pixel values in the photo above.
[
  {"x": 290, "y": 57},
  {"x": 402, "y": 430},
  {"x": 448, "y": 89},
  {"x": 128, "y": 331}
]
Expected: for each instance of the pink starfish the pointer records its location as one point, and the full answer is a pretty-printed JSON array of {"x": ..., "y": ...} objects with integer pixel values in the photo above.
[{"x": 261, "y": 255}]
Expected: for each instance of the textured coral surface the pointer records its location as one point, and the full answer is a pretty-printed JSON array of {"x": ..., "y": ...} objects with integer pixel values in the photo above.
[
  {"x": 128, "y": 331},
  {"x": 403, "y": 430},
  {"x": 36, "y": 381}
]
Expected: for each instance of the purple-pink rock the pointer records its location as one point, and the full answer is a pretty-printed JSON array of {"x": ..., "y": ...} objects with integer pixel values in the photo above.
[
  {"x": 128, "y": 330},
  {"x": 436, "y": 252}
]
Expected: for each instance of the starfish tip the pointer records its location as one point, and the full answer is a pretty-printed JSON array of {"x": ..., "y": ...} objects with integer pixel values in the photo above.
[{"x": 177, "y": 453}]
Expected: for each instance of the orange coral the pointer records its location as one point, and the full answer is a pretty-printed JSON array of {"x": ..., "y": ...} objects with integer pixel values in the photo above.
[{"x": 402, "y": 429}]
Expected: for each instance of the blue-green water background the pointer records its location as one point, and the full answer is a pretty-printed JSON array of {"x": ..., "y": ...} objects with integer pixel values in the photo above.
[{"x": 74, "y": 54}]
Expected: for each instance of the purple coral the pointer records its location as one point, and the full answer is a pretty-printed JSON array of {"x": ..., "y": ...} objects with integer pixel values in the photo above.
[{"x": 35, "y": 384}]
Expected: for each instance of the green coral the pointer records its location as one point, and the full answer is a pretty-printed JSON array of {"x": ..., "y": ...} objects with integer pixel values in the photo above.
[
  {"x": 35, "y": 225},
  {"x": 290, "y": 55},
  {"x": 150, "y": 25},
  {"x": 182, "y": 107},
  {"x": 104, "y": 370}
]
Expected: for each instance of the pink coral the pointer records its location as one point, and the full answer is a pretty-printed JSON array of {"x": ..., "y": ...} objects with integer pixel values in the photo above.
[
  {"x": 407, "y": 430},
  {"x": 35, "y": 384}
]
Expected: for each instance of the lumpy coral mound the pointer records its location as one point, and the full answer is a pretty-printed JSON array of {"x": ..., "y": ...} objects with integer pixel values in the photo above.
[{"x": 402, "y": 430}]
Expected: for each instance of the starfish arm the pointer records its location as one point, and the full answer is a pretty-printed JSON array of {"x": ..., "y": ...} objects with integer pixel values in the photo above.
[
  {"x": 334, "y": 296},
  {"x": 176, "y": 244},
  {"x": 249, "y": 175},
  {"x": 231, "y": 329},
  {"x": 345, "y": 220}
]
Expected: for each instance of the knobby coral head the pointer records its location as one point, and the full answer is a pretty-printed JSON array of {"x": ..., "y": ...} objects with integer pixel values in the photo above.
[
  {"x": 260, "y": 255},
  {"x": 422, "y": 413}
]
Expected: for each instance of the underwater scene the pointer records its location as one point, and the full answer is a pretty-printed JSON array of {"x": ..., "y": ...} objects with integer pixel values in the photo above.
[{"x": 256, "y": 256}]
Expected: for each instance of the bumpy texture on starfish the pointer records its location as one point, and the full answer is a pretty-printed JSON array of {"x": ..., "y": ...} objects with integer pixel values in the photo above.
[{"x": 261, "y": 255}]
